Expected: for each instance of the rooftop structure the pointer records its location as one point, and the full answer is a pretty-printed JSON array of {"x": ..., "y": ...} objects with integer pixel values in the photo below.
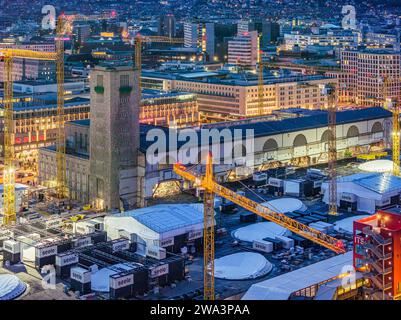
[
  {"x": 281, "y": 287},
  {"x": 366, "y": 192}
]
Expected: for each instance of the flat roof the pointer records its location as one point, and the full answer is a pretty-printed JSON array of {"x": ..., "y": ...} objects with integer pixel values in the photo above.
[
  {"x": 267, "y": 128},
  {"x": 167, "y": 217},
  {"x": 230, "y": 79},
  {"x": 155, "y": 94},
  {"x": 76, "y": 101},
  {"x": 82, "y": 122},
  {"x": 377, "y": 182},
  {"x": 281, "y": 287}
]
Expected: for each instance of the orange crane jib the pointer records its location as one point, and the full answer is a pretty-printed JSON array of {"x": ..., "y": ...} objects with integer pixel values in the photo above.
[{"x": 301, "y": 229}]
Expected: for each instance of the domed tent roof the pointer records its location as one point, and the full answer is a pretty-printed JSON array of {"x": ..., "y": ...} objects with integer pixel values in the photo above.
[
  {"x": 259, "y": 231},
  {"x": 377, "y": 166},
  {"x": 242, "y": 265},
  {"x": 11, "y": 287},
  {"x": 285, "y": 205}
]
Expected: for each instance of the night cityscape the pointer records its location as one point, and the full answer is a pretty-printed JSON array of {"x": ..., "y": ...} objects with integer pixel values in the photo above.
[{"x": 223, "y": 150}]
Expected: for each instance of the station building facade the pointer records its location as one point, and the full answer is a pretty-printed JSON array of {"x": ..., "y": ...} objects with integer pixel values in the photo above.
[{"x": 299, "y": 141}]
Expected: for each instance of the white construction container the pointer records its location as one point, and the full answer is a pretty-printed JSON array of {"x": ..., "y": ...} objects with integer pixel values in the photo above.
[
  {"x": 158, "y": 253},
  {"x": 11, "y": 246},
  {"x": 292, "y": 187},
  {"x": 329, "y": 226},
  {"x": 318, "y": 227},
  {"x": 286, "y": 242},
  {"x": 262, "y": 245},
  {"x": 259, "y": 178},
  {"x": 275, "y": 182},
  {"x": 85, "y": 227}
]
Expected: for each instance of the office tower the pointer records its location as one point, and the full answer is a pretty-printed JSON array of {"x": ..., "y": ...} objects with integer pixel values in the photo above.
[
  {"x": 200, "y": 35},
  {"x": 243, "y": 50},
  {"x": 167, "y": 26}
]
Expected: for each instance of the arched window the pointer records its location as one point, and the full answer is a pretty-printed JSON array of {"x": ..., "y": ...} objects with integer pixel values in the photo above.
[
  {"x": 300, "y": 141},
  {"x": 377, "y": 127},
  {"x": 353, "y": 132},
  {"x": 325, "y": 136},
  {"x": 270, "y": 145}
]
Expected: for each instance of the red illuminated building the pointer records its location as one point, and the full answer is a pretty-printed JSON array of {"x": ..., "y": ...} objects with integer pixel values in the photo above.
[{"x": 377, "y": 252}]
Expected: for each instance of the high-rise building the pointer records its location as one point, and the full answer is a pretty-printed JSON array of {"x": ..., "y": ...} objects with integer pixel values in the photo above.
[
  {"x": 271, "y": 33},
  {"x": 268, "y": 30},
  {"x": 82, "y": 32},
  {"x": 364, "y": 71},
  {"x": 167, "y": 26},
  {"x": 243, "y": 49},
  {"x": 200, "y": 35},
  {"x": 377, "y": 251},
  {"x": 114, "y": 136},
  {"x": 30, "y": 69}
]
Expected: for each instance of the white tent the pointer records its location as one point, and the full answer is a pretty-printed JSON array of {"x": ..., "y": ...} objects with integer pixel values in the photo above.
[
  {"x": 377, "y": 166},
  {"x": 156, "y": 223},
  {"x": 285, "y": 205},
  {"x": 242, "y": 265},
  {"x": 11, "y": 287},
  {"x": 281, "y": 287},
  {"x": 259, "y": 231},
  {"x": 370, "y": 190}
]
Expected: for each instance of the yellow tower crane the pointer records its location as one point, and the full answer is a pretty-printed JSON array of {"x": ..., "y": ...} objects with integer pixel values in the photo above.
[
  {"x": 212, "y": 188},
  {"x": 61, "y": 179},
  {"x": 139, "y": 39},
  {"x": 331, "y": 93},
  {"x": 396, "y": 139},
  {"x": 9, "y": 135},
  {"x": 393, "y": 106},
  {"x": 260, "y": 82}
]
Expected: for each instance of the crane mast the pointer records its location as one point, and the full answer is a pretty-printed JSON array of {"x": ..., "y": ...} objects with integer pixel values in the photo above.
[
  {"x": 260, "y": 81},
  {"x": 9, "y": 169},
  {"x": 393, "y": 106},
  {"x": 9, "y": 135},
  {"x": 138, "y": 59},
  {"x": 396, "y": 139},
  {"x": 208, "y": 235},
  {"x": 332, "y": 148},
  {"x": 61, "y": 181}
]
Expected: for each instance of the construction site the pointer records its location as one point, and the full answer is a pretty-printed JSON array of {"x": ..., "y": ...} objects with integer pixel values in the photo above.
[{"x": 316, "y": 216}]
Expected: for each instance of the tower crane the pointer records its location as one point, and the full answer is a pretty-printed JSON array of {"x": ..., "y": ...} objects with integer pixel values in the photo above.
[
  {"x": 8, "y": 56},
  {"x": 393, "y": 106},
  {"x": 330, "y": 92},
  {"x": 9, "y": 135},
  {"x": 71, "y": 18},
  {"x": 139, "y": 39},
  {"x": 61, "y": 179},
  {"x": 260, "y": 81},
  {"x": 212, "y": 188}
]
